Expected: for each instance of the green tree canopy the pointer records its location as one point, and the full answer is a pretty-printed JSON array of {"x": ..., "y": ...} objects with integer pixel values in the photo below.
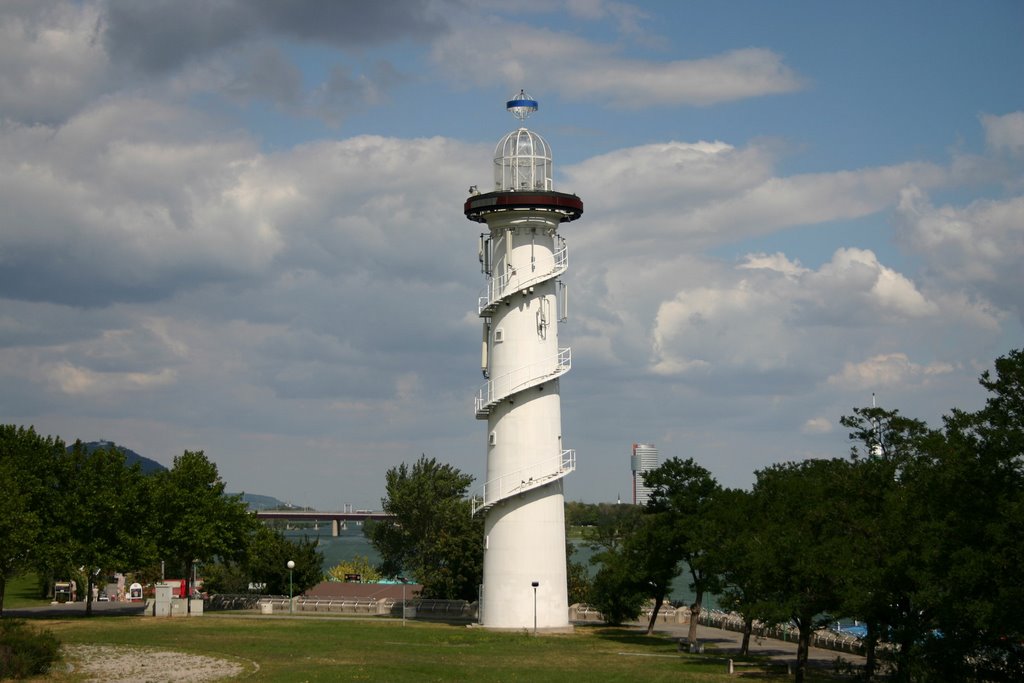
[
  {"x": 193, "y": 520},
  {"x": 360, "y": 564},
  {"x": 616, "y": 590},
  {"x": 887, "y": 531},
  {"x": 28, "y": 506},
  {"x": 681, "y": 499},
  {"x": 432, "y": 537},
  {"x": 105, "y": 509},
  {"x": 798, "y": 545},
  {"x": 741, "y": 590},
  {"x": 611, "y": 525},
  {"x": 267, "y": 561}
]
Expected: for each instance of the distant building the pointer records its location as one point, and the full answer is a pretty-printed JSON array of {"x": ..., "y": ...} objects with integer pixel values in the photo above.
[{"x": 643, "y": 459}]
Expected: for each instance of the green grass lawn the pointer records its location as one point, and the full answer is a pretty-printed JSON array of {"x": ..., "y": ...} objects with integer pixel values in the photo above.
[
  {"x": 23, "y": 591},
  {"x": 309, "y": 649}
]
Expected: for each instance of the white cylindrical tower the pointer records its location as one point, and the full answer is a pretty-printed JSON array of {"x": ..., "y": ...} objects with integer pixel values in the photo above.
[{"x": 523, "y": 256}]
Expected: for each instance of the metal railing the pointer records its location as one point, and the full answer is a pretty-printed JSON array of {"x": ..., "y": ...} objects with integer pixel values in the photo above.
[
  {"x": 523, "y": 480},
  {"x": 493, "y": 391},
  {"x": 509, "y": 282},
  {"x": 823, "y": 638}
]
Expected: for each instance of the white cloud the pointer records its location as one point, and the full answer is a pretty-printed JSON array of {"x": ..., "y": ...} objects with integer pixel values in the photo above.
[
  {"x": 515, "y": 54},
  {"x": 74, "y": 380},
  {"x": 52, "y": 61},
  {"x": 118, "y": 202},
  {"x": 1005, "y": 133},
  {"x": 810, "y": 198},
  {"x": 817, "y": 425},
  {"x": 769, "y": 317},
  {"x": 121, "y": 203},
  {"x": 857, "y": 274},
  {"x": 627, "y": 17},
  {"x": 696, "y": 195},
  {"x": 777, "y": 262},
  {"x": 668, "y": 175},
  {"x": 887, "y": 370},
  {"x": 697, "y": 329},
  {"x": 174, "y": 283},
  {"x": 979, "y": 248}
]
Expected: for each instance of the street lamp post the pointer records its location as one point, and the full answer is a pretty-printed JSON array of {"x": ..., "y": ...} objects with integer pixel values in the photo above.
[
  {"x": 535, "y": 584},
  {"x": 404, "y": 581},
  {"x": 191, "y": 587},
  {"x": 291, "y": 605}
]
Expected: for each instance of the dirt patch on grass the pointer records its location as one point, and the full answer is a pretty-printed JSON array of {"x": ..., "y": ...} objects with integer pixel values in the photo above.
[{"x": 124, "y": 664}]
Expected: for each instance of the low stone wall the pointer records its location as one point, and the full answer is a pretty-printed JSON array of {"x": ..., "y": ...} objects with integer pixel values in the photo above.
[
  {"x": 415, "y": 608},
  {"x": 581, "y": 612}
]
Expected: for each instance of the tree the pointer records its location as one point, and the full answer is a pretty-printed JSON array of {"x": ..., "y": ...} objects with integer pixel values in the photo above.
[
  {"x": 797, "y": 545},
  {"x": 742, "y": 590},
  {"x": 888, "y": 532},
  {"x": 105, "y": 506},
  {"x": 19, "y": 527},
  {"x": 432, "y": 537},
  {"x": 615, "y": 591},
  {"x": 267, "y": 562},
  {"x": 359, "y": 565},
  {"x": 193, "y": 520},
  {"x": 578, "y": 583},
  {"x": 578, "y": 513},
  {"x": 610, "y": 526},
  {"x": 936, "y": 520},
  {"x": 654, "y": 552},
  {"x": 28, "y": 471},
  {"x": 972, "y": 491},
  {"x": 682, "y": 494}
]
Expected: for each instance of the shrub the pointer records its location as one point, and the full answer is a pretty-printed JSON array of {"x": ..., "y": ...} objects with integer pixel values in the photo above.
[
  {"x": 614, "y": 594},
  {"x": 25, "y": 651}
]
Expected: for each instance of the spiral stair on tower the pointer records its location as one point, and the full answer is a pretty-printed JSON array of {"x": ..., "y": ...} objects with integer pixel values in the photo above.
[
  {"x": 496, "y": 390},
  {"x": 502, "y": 287},
  {"x": 523, "y": 480}
]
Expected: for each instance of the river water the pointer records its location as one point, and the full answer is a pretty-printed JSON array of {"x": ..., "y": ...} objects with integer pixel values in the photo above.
[{"x": 351, "y": 542}]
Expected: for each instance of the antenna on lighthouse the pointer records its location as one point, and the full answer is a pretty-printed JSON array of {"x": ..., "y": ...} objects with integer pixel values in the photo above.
[
  {"x": 522, "y": 105},
  {"x": 876, "y": 432}
]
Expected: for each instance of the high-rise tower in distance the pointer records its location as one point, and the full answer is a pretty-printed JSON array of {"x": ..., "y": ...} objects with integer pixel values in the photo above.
[
  {"x": 523, "y": 257},
  {"x": 643, "y": 459}
]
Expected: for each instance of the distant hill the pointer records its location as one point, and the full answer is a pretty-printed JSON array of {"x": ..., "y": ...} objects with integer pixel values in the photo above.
[
  {"x": 130, "y": 456},
  {"x": 257, "y": 502},
  {"x": 253, "y": 500}
]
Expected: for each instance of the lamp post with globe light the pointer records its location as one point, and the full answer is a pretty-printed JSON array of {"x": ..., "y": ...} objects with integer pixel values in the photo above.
[{"x": 291, "y": 605}]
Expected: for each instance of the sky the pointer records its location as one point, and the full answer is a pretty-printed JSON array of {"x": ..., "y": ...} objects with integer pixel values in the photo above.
[{"x": 236, "y": 225}]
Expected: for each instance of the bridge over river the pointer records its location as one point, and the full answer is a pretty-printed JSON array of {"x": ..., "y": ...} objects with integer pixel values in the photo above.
[{"x": 337, "y": 519}]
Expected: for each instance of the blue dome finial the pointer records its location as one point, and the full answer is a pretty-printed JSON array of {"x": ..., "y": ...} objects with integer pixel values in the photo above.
[{"x": 522, "y": 105}]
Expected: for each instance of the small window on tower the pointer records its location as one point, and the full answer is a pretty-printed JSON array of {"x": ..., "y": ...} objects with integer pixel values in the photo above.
[
  {"x": 492, "y": 439},
  {"x": 499, "y": 335}
]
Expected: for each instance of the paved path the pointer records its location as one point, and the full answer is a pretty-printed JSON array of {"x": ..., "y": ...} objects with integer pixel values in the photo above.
[
  {"x": 728, "y": 643},
  {"x": 77, "y": 609}
]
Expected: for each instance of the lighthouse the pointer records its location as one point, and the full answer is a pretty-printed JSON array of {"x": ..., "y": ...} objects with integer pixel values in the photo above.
[{"x": 523, "y": 259}]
